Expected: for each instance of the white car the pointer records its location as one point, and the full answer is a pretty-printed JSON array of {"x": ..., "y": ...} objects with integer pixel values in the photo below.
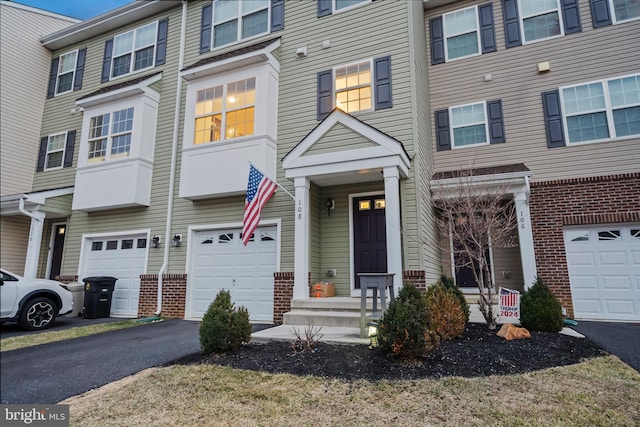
[{"x": 33, "y": 303}]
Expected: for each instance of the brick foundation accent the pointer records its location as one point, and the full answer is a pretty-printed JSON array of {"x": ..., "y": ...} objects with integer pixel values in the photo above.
[
  {"x": 67, "y": 279},
  {"x": 174, "y": 291},
  {"x": 581, "y": 201},
  {"x": 416, "y": 277},
  {"x": 282, "y": 295}
]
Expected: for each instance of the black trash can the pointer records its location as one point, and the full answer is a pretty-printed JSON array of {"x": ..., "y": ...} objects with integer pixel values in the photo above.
[{"x": 97, "y": 296}]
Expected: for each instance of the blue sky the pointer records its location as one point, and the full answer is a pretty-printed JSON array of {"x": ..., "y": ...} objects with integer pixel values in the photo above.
[{"x": 80, "y": 9}]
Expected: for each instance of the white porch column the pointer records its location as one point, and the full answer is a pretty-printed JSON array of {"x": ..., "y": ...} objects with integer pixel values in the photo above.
[
  {"x": 301, "y": 239},
  {"x": 33, "y": 247},
  {"x": 525, "y": 236},
  {"x": 394, "y": 233}
]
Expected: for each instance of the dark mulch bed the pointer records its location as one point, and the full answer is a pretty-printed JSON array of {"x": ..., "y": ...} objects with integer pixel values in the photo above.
[{"x": 478, "y": 352}]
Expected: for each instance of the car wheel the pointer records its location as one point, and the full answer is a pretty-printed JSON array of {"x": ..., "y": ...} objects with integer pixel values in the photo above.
[{"x": 38, "y": 313}]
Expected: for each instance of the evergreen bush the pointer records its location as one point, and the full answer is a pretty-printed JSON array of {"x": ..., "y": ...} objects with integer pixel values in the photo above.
[
  {"x": 540, "y": 310},
  {"x": 446, "y": 316},
  {"x": 404, "y": 327},
  {"x": 449, "y": 283},
  {"x": 224, "y": 327}
]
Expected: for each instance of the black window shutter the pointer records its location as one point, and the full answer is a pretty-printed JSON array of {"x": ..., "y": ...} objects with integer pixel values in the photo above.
[
  {"x": 53, "y": 77},
  {"x": 437, "y": 40},
  {"x": 488, "y": 32},
  {"x": 443, "y": 139},
  {"x": 106, "y": 61},
  {"x": 77, "y": 80},
  {"x": 511, "y": 23},
  {"x": 205, "y": 28},
  {"x": 42, "y": 153},
  {"x": 68, "y": 149},
  {"x": 161, "y": 45},
  {"x": 496, "y": 123},
  {"x": 600, "y": 13},
  {"x": 571, "y": 16},
  {"x": 277, "y": 15},
  {"x": 324, "y": 8},
  {"x": 325, "y": 93},
  {"x": 382, "y": 78},
  {"x": 553, "y": 118}
]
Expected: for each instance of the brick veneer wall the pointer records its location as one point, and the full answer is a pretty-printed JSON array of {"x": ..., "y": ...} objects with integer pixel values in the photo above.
[
  {"x": 282, "y": 295},
  {"x": 67, "y": 279},
  {"x": 580, "y": 201},
  {"x": 415, "y": 277},
  {"x": 174, "y": 292}
]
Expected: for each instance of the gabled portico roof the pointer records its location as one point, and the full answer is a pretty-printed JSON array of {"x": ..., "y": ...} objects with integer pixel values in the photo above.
[{"x": 344, "y": 150}]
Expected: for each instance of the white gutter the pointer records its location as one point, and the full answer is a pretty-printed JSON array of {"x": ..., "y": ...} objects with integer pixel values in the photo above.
[{"x": 174, "y": 155}]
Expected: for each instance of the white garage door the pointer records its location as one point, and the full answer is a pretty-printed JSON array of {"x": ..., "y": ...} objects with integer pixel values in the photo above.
[
  {"x": 604, "y": 271},
  {"x": 220, "y": 261},
  {"x": 124, "y": 258}
]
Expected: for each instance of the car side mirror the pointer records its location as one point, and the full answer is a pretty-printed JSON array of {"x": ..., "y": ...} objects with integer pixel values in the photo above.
[{"x": 1, "y": 282}]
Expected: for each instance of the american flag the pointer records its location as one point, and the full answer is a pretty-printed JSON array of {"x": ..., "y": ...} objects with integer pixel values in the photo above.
[
  {"x": 509, "y": 297},
  {"x": 259, "y": 190}
]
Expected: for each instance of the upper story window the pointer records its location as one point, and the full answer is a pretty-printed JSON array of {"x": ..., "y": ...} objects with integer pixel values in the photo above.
[
  {"x": 462, "y": 33},
  {"x": 480, "y": 123},
  {"x": 607, "y": 12},
  {"x": 602, "y": 110},
  {"x": 327, "y": 7},
  {"x": 225, "y": 111},
  {"x": 135, "y": 50},
  {"x": 541, "y": 19},
  {"x": 361, "y": 86},
  {"x": 66, "y": 72},
  {"x": 527, "y": 21},
  {"x": 353, "y": 87},
  {"x": 56, "y": 151},
  {"x": 110, "y": 136},
  {"x": 225, "y": 22}
]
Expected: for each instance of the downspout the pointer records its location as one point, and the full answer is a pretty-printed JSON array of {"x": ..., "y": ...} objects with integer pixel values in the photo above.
[
  {"x": 24, "y": 211},
  {"x": 174, "y": 154}
]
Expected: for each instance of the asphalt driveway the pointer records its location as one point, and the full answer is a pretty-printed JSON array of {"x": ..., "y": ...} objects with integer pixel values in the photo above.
[
  {"x": 621, "y": 339},
  {"x": 52, "y": 372}
]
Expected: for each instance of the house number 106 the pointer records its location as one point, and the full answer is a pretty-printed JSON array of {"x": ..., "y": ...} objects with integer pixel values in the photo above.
[{"x": 522, "y": 226}]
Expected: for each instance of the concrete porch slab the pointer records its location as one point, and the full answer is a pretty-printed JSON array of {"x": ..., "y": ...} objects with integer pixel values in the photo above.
[{"x": 330, "y": 335}]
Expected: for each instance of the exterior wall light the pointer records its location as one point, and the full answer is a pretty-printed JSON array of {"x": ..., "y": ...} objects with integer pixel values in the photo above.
[
  {"x": 330, "y": 204},
  {"x": 177, "y": 239},
  {"x": 155, "y": 242},
  {"x": 373, "y": 335}
]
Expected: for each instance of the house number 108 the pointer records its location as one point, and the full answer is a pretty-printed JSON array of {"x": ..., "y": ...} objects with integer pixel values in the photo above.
[{"x": 299, "y": 209}]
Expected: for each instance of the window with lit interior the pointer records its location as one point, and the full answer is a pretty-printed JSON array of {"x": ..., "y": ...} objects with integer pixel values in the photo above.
[{"x": 353, "y": 91}]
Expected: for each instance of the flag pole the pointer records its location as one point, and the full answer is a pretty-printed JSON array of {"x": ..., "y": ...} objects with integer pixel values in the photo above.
[{"x": 274, "y": 181}]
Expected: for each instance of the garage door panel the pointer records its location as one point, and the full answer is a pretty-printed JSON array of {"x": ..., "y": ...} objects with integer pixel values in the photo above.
[
  {"x": 225, "y": 263},
  {"x": 604, "y": 271}
]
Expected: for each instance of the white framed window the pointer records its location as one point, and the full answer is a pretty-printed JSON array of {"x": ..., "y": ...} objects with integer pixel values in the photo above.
[
  {"x": 55, "y": 151},
  {"x": 66, "y": 72},
  {"x": 235, "y": 20},
  {"x": 341, "y": 5},
  {"x": 110, "y": 136},
  {"x": 461, "y": 35},
  {"x": 469, "y": 125},
  {"x": 225, "y": 111},
  {"x": 624, "y": 10},
  {"x": 540, "y": 19},
  {"x": 602, "y": 110},
  {"x": 353, "y": 87},
  {"x": 134, "y": 50}
]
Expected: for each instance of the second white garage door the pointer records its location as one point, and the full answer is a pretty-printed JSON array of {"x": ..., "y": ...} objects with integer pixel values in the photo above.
[
  {"x": 220, "y": 261},
  {"x": 604, "y": 271}
]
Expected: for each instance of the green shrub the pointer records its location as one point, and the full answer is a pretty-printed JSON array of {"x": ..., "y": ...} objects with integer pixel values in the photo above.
[
  {"x": 446, "y": 317},
  {"x": 449, "y": 283},
  {"x": 404, "y": 328},
  {"x": 224, "y": 327},
  {"x": 540, "y": 310}
]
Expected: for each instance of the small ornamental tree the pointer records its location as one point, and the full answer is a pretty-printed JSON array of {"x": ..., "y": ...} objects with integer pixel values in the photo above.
[
  {"x": 475, "y": 215},
  {"x": 224, "y": 327},
  {"x": 404, "y": 329},
  {"x": 540, "y": 310},
  {"x": 451, "y": 286}
]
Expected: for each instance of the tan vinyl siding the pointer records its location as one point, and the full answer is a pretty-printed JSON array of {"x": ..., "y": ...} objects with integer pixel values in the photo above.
[
  {"x": 592, "y": 54},
  {"x": 14, "y": 233},
  {"x": 339, "y": 138},
  {"x": 23, "y": 86}
]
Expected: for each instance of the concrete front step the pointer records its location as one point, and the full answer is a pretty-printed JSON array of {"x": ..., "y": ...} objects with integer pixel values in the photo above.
[
  {"x": 337, "y": 319},
  {"x": 330, "y": 304}
]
